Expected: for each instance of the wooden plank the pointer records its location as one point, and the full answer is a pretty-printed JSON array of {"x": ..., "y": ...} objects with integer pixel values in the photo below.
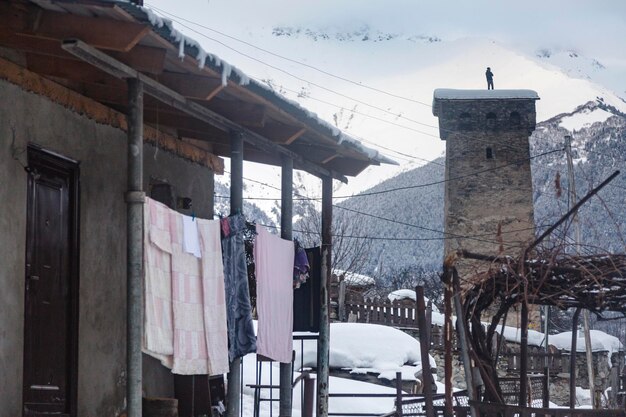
[
  {"x": 67, "y": 69},
  {"x": 98, "y": 32},
  {"x": 244, "y": 113},
  {"x": 143, "y": 58},
  {"x": 280, "y": 132},
  {"x": 295, "y": 136},
  {"x": 190, "y": 85}
]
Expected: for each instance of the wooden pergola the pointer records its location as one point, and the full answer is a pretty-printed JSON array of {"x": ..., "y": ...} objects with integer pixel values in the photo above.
[
  {"x": 121, "y": 65},
  {"x": 541, "y": 275}
]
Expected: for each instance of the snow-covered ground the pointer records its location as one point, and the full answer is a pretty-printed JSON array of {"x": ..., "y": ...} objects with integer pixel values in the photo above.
[
  {"x": 358, "y": 347},
  {"x": 382, "y": 351}
]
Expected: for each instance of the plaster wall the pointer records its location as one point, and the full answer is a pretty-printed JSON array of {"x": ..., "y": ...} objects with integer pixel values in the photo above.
[{"x": 101, "y": 150}]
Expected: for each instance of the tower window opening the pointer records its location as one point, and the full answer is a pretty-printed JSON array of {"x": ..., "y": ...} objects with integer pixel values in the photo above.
[
  {"x": 489, "y": 153},
  {"x": 514, "y": 119},
  {"x": 491, "y": 120}
]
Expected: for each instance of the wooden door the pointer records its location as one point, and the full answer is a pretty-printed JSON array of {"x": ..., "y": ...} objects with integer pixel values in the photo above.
[{"x": 51, "y": 295}]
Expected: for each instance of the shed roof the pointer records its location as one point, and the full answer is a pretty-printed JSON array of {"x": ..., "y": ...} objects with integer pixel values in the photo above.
[{"x": 148, "y": 44}]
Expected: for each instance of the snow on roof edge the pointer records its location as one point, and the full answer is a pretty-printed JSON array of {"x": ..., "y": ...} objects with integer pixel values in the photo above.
[
  {"x": 189, "y": 46},
  {"x": 457, "y": 94}
]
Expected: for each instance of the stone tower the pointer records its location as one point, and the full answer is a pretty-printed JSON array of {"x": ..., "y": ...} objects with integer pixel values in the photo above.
[{"x": 488, "y": 189}]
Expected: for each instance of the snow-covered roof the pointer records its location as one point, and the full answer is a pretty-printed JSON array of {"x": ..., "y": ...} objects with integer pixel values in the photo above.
[
  {"x": 408, "y": 294},
  {"x": 453, "y": 94},
  {"x": 353, "y": 278}
]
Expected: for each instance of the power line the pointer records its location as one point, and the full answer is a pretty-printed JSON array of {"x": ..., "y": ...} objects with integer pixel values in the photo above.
[
  {"x": 452, "y": 236},
  {"x": 409, "y": 187},
  {"x": 333, "y": 91},
  {"x": 359, "y": 84}
]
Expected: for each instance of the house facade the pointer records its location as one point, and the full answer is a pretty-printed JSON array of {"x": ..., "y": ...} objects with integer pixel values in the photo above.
[{"x": 66, "y": 164}]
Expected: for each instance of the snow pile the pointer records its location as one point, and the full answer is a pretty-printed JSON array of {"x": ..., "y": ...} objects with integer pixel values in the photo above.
[
  {"x": 585, "y": 118},
  {"x": 514, "y": 334},
  {"x": 600, "y": 342},
  {"x": 407, "y": 294},
  {"x": 369, "y": 348}
]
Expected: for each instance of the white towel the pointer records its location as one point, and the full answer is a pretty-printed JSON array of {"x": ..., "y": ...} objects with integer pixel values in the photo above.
[{"x": 191, "y": 243}]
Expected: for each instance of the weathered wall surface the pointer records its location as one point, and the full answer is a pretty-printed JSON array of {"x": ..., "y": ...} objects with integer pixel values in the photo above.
[
  {"x": 101, "y": 151},
  {"x": 501, "y": 195},
  {"x": 488, "y": 199}
]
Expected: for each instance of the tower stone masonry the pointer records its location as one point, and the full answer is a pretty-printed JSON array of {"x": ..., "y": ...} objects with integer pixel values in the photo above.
[{"x": 488, "y": 189}]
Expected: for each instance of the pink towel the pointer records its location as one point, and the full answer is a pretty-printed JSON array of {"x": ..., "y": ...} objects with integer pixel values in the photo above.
[
  {"x": 158, "y": 329},
  {"x": 273, "y": 259}
]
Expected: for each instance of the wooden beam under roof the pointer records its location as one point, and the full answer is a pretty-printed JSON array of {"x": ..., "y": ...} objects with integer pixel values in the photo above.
[
  {"x": 280, "y": 132},
  {"x": 99, "y": 32},
  {"x": 65, "y": 68},
  {"x": 190, "y": 85},
  {"x": 142, "y": 58},
  {"x": 106, "y": 63},
  {"x": 242, "y": 112}
]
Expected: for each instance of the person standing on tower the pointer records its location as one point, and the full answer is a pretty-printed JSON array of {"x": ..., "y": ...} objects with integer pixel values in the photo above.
[{"x": 489, "y": 76}]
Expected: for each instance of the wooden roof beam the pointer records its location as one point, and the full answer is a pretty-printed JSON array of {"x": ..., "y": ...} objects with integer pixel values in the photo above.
[
  {"x": 65, "y": 68},
  {"x": 142, "y": 58},
  {"x": 172, "y": 98},
  {"x": 241, "y": 112},
  {"x": 99, "y": 32},
  {"x": 281, "y": 133},
  {"x": 192, "y": 86}
]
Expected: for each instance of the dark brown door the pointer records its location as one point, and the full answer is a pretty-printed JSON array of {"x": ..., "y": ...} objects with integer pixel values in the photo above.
[{"x": 51, "y": 302}]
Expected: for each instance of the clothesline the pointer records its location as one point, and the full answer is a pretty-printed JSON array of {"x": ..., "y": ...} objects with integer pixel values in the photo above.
[{"x": 198, "y": 313}]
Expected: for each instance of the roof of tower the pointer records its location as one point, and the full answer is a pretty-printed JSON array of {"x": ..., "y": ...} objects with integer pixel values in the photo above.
[{"x": 452, "y": 94}]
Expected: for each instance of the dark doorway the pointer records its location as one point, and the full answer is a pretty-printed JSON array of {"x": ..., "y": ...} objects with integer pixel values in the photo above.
[{"x": 51, "y": 296}]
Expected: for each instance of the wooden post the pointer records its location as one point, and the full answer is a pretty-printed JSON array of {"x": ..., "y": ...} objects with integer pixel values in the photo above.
[
  {"x": 447, "y": 330},
  {"x": 523, "y": 382},
  {"x": 135, "y": 197},
  {"x": 309, "y": 396},
  {"x": 399, "y": 393},
  {"x": 572, "y": 361},
  {"x": 323, "y": 343},
  {"x": 286, "y": 232},
  {"x": 463, "y": 342},
  {"x": 341, "y": 301},
  {"x": 427, "y": 377},
  {"x": 236, "y": 204}
]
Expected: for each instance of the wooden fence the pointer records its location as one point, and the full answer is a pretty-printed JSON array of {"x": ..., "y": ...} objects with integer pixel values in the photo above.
[
  {"x": 378, "y": 311},
  {"x": 402, "y": 314}
]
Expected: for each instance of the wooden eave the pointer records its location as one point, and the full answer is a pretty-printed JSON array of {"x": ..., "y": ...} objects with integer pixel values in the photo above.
[{"x": 35, "y": 29}]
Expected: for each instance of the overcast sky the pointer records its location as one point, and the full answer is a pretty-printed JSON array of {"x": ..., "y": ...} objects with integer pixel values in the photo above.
[{"x": 596, "y": 28}]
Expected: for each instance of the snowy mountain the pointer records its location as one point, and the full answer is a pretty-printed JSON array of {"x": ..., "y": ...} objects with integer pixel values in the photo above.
[
  {"x": 409, "y": 66},
  {"x": 371, "y": 68}
]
